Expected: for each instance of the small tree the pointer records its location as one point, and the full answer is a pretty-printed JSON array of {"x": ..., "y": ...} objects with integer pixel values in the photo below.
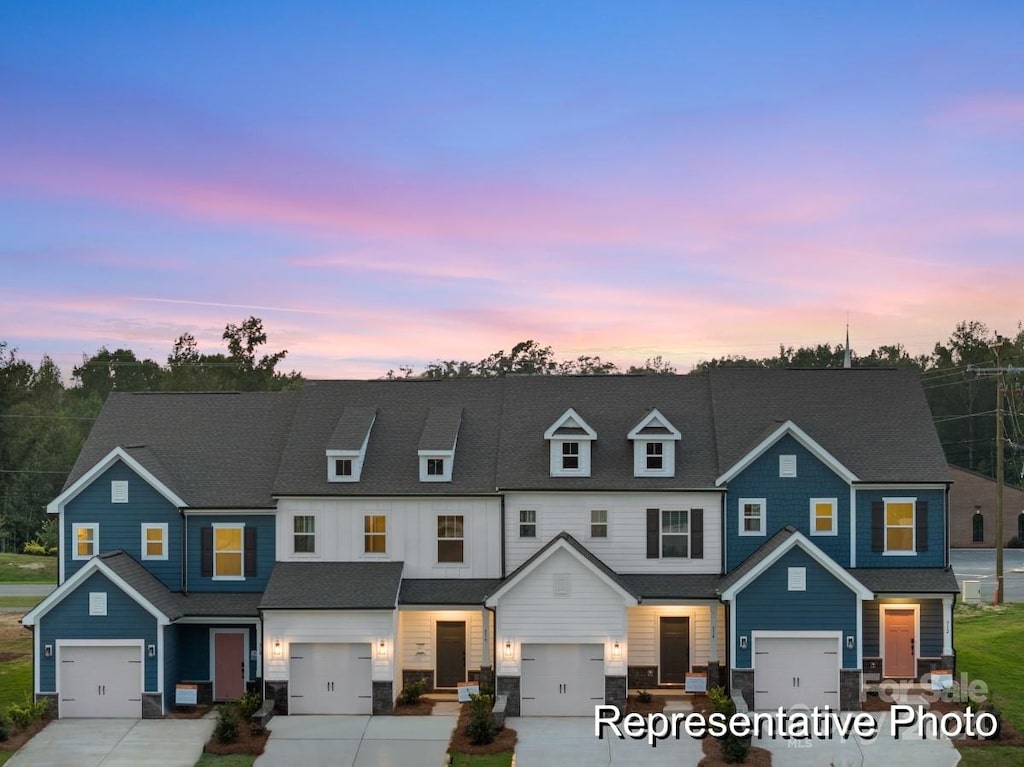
[{"x": 481, "y": 729}]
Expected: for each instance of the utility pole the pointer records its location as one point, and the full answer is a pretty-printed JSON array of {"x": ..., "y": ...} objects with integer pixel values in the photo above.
[{"x": 997, "y": 371}]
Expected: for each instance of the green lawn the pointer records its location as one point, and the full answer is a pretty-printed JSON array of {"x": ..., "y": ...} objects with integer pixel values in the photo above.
[
  {"x": 990, "y": 756},
  {"x": 231, "y": 760},
  {"x": 5, "y": 755},
  {"x": 988, "y": 645},
  {"x": 25, "y": 603},
  {"x": 504, "y": 759},
  {"x": 24, "y": 568},
  {"x": 16, "y": 668}
]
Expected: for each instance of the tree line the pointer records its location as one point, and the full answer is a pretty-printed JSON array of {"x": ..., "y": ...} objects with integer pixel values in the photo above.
[{"x": 43, "y": 422}]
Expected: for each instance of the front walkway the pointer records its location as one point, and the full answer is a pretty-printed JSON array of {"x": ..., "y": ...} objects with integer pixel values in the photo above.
[
  {"x": 357, "y": 741},
  {"x": 560, "y": 741},
  {"x": 116, "y": 743}
]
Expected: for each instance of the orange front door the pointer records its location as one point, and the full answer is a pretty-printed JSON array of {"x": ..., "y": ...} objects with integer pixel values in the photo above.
[
  {"x": 229, "y": 665},
  {"x": 900, "y": 653}
]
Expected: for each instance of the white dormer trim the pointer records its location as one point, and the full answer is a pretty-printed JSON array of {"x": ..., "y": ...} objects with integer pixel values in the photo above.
[
  {"x": 426, "y": 462},
  {"x": 642, "y": 441},
  {"x": 357, "y": 457},
  {"x": 117, "y": 454},
  {"x": 564, "y": 447},
  {"x": 800, "y": 436}
]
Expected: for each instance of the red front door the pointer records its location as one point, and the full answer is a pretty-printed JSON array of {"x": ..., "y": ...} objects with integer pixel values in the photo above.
[
  {"x": 229, "y": 665},
  {"x": 900, "y": 662}
]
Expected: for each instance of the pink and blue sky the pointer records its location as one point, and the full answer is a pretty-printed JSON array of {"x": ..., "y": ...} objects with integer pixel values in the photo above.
[{"x": 392, "y": 183}]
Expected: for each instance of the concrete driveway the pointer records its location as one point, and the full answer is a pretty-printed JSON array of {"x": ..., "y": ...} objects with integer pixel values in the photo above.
[
  {"x": 116, "y": 743},
  {"x": 560, "y": 741},
  {"x": 357, "y": 741}
]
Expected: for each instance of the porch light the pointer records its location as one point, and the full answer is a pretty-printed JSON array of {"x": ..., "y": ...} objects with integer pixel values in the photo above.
[
  {"x": 508, "y": 649},
  {"x": 276, "y": 652},
  {"x": 382, "y": 649},
  {"x": 616, "y": 650}
]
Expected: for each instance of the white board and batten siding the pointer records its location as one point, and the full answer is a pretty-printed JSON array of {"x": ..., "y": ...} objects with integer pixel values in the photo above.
[
  {"x": 532, "y": 612},
  {"x": 417, "y": 635},
  {"x": 326, "y": 626},
  {"x": 411, "y": 533},
  {"x": 625, "y": 548},
  {"x": 644, "y": 630}
]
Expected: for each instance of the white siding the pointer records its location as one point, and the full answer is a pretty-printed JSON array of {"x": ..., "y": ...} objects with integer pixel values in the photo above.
[
  {"x": 418, "y": 633},
  {"x": 411, "y": 533},
  {"x": 643, "y": 623},
  {"x": 625, "y": 548},
  {"x": 335, "y": 626}
]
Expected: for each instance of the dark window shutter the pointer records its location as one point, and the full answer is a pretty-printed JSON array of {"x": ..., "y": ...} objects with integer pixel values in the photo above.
[
  {"x": 653, "y": 533},
  {"x": 250, "y": 552},
  {"x": 696, "y": 533},
  {"x": 877, "y": 526},
  {"x": 921, "y": 523},
  {"x": 206, "y": 552}
]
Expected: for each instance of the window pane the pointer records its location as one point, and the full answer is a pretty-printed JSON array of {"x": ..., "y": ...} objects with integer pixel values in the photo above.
[
  {"x": 527, "y": 516},
  {"x": 154, "y": 534},
  {"x": 375, "y": 524},
  {"x": 85, "y": 548},
  {"x": 674, "y": 545},
  {"x": 823, "y": 524},
  {"x": 899, "y": 514},
  {"x": 674, "y": 522},
  {"x": 375, "y": 544},
  {"x": 305, "y": 524},
  {"x": 154, "y": 548},
  {"x": 228, "y": 539},
  {"x": 899, "y": 539},
  {"x": 449, "y": 551},
  {"x": 228, "y": 564}
]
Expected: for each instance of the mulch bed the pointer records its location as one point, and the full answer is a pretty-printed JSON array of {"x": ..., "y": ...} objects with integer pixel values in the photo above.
[
  {"x": 422, "y": 708},
  {"x": 655, "y": 706},
  {"x": 1008, "y": 735},
  {"x": 246, "y": 743},
  {"x": 460, "y": 742},
  {"x": 17, "y": 740}
]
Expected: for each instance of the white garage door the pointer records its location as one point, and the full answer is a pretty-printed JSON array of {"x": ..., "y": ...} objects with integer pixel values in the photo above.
[
  {"x": 103, "y": 682},
  {"x": 329, "y": 678},
  {"x": 562, "y": 679},
  {"x": 796, "y": 672}
]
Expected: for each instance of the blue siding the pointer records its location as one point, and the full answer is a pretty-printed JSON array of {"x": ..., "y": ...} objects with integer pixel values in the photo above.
[
  {"x": 170, "y": 665},
  {"x": 930, "y": 628},
  {"x": 788, "y": 501},
  {"x": 120, "y": 524},
  {"x": 70, "y": 619},
  {"x": 936, "y": 554},
  {"x": 194, "y": 651},
  {"x": 265, "y": 526},
  {"x": 768, "y": 605}
]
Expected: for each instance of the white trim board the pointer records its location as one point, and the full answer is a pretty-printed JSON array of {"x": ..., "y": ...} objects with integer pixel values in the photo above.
[{"x": 800, "y": 436}]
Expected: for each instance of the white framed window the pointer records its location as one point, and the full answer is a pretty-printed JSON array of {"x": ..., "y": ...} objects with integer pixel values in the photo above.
[
  {"x": 436, "y": 465},
  {"x": 342, "y": 467},
  {"x": 570, "y": 456},
  {"x": 569, "y": 439},
  {"x": 85, "y": 540},
  {"x": 797, "y": 578},
  {"x": 228, "y": 552},
  {"x": 375, "y": 534},
  {"x": 527, "y": 523},
  {"x": 119, "y": 491},
  {"x": 304, "y": 534},
  {"x": 154, "y": 540},
  {"x": 787, "y": 465},
  {"x": 450, "y": 538},
  {"x": 98, "y": 603},
  {"x": 655, "y": 453},
  {"x": 900, "y": 530},
  {"x": 599, "y": 523},
  {"x": 752, "y": 519},
  {"x": 345, "y": 465},
  {"x": 824, "y": 519},
  {"x": 675, "y": 534}
]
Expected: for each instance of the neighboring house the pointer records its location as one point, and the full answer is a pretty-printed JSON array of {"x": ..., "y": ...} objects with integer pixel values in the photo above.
[
  {"x": 972, "y": 511},
  {"x": 564, "y": 538}
]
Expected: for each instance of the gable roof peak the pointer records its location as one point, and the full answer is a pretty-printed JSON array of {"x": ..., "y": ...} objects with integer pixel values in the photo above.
[
  {"x": 654, "y": 426},
  {"x": 570, "y": 425}
]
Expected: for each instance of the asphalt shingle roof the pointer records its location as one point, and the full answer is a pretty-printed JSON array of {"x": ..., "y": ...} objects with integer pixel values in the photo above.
[
  {"x": 907, "y": 580},
  {"x": 447, "y": 591},
  {"x": 350, "y": 433},
  {"x": 144, "y": 582},
  {"x": 658, "y": 586},
  {"x": 442, "y": 428},
  {"x": 221, "y": 605},
  {"x": 759, "y": 555},
  {"x": 333, "y": 586},
  {"x": 875, "y": 421}
]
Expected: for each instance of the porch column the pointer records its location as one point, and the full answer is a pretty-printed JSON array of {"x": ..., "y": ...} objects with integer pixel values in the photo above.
[
  {"x": 947, "y": 626},
  {"x": 713, "y": 656}
]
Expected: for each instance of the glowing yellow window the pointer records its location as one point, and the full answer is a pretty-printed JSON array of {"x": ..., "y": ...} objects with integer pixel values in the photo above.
[
  {"x": 154, "y": 541},
  {"x": 227, "y": 552},
  {"x": 824, "y": 521},
  {"x": 86, "y": 538},
  {"x": 899, "y": 526},
  {"x": 375, "y": 528}
]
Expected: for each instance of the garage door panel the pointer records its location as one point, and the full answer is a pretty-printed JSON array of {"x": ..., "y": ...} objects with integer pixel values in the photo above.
[
  {"x": 792, "y": 672},
  {"x": 562, "y": 680},
  {"x": 100, "y": 681},
  {"x": 330, "y": 678}
]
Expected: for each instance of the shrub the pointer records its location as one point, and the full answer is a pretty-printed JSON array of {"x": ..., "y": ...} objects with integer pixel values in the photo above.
[
  {"x": 21, "y": 716},
  {"x": 5, "y": 728},
  {"x": 643, "y": 696},
  {"x": 249, "y": 703},
  {"x": 734, "y": 749},
  {"x": 481, "y": 729},
  {"x": 410, "y": 694},
  {"x": 226, "y": 730}
]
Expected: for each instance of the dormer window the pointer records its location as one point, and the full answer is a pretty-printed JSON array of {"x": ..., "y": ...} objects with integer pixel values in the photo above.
[
  {"x": 346, "y": 449},
  {"x": 654, "y": 446},
  {"x": 437, "y": 443},
  {"x": 570, "y": 438}
]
